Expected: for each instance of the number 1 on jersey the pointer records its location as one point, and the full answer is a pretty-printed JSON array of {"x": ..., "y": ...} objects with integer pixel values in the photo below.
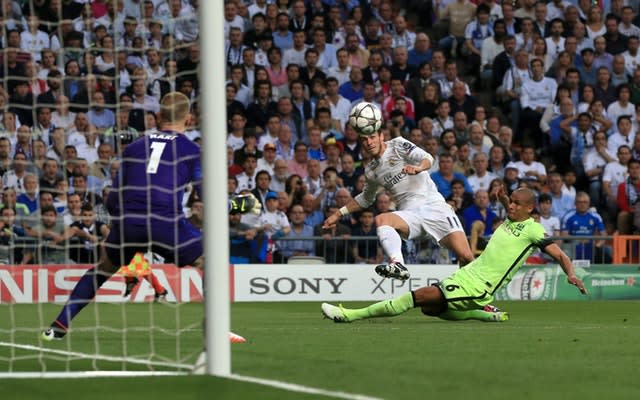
[{"x": 154, "y": 159}]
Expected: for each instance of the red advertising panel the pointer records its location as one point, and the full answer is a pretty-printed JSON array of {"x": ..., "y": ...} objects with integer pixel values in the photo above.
[{"x": 53, "y": 283}]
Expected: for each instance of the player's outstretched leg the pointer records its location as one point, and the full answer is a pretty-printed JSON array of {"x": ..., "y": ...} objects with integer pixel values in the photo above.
[
  {"x": 480, "y": 315},
  {"x": 82, "y": 294},
  {"x": 386, "y": 308}
]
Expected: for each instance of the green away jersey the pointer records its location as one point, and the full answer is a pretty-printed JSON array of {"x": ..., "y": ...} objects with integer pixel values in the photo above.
[{"x": 509, "y": 247}]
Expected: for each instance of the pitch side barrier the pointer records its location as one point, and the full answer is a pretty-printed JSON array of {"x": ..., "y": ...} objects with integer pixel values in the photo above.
[
  {"x": 29, "y": 284},
  {"x": 616, "y": 249}
]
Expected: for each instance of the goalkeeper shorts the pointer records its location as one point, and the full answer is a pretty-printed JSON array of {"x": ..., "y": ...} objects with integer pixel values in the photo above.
[{"x": 179, "y": 243}]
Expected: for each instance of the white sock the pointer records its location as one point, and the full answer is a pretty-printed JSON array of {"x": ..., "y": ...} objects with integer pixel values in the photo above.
[{"x": 391, "y": 243}]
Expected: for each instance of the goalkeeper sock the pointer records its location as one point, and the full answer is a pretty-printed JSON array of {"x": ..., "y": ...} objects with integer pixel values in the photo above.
[
  {"x": 391, "y": 243},
  {"x": 386, "y": 308},
  {"x": 84, "y": 291},
  {"x": 153, "y": 280},
  {"x": 479, "y": 315}
]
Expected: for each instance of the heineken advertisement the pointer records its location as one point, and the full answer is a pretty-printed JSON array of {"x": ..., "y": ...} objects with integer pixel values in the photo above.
[{"x": 548, "y": 282}]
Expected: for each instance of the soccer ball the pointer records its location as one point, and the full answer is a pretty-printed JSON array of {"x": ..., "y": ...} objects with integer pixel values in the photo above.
[{"x": 365, "y": 118}]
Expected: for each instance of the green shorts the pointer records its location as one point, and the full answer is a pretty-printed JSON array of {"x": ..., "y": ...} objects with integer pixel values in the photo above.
[{"x": 462, "y": 292}]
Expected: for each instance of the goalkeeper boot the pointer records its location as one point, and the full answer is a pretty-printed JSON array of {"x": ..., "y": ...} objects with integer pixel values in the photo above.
[
  {"x": 235, "y": 338},
  {"x": 131, "y": 283},
  {"x": 161, "y": 297},
  {"x": 336, "y": 314},
  {"x": 54, "y": 332},
  {"x": 200, "y": 367},
  {"x": 243, "y": 204},
  {"x": 393, "y": 270}
]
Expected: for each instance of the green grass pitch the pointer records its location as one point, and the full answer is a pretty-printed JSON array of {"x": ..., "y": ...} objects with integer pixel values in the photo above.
[{"x": 548, "y": 350}]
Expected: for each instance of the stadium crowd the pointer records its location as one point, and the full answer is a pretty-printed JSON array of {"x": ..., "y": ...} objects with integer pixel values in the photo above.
[{"x": 527, "y": 94}]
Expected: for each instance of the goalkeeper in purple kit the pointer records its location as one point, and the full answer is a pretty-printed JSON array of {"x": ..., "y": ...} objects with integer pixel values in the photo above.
[{"x": 146, "y": 207}]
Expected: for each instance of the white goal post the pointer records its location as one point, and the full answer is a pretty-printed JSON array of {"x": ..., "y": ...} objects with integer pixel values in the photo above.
[
  {"x": 82, "y": 353},
  {"x": 215, "y": 163}
]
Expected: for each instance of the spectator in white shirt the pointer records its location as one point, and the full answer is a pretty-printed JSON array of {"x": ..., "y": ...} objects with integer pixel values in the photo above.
[
  {"x": 556, "y": 9},
  {"x": 535, "y": 95},
  {"x": 550, "y": 223},
  {"x": 482, "y": 178},
  {"x": 141, "y": 100},
  {"x": 402, "y": 37},
  {"x": 622, "y": 106},
  {"x": 295, "y": 55},
  {"x": 326, "y": 51},
  {"x": 258, "y": 6},
  {"x": 530, "y": 170},
  {"x": 48, "y": 63},
  {"x": 632, "y": 56},
  {"x": 186, "y": 24},
  {"x": 615, "y": 173},
  {"x": 555, "y": 42},
  {"x": 231, "y": 18},
  {"x": 624, "y": 135},
  {"x": 267, "y": 161},
  {"x": 626, "y": 27},
  {"x": 342, "y": 70},
  {"x": 272, "y": 220},
  {"x": 594, "y": 162},
  {"x": 491, "y": 47},
  {"x": 34, "y": 40}
]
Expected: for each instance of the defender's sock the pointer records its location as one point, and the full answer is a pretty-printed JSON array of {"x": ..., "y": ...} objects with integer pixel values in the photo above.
[
  {"x": 391, "y": 243},
  {"x": 386, "y": 308},
  {"x": 82, "y": 294}
]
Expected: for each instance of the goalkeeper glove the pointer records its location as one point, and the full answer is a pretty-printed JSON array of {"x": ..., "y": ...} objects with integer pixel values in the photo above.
[{"x": 243, "y": 204}]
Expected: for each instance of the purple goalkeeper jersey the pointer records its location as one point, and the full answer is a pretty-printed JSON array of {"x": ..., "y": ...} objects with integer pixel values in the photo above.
[{"x": 154, "y": 173}]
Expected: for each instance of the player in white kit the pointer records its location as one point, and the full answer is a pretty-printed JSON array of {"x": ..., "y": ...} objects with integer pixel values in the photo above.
[{"x": 400, "y": 167}]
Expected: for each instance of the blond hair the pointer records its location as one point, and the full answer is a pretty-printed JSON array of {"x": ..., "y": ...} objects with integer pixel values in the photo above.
[{"x": 174, "y": 107}]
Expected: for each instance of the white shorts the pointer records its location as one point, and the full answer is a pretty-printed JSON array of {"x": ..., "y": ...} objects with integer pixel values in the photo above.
[{"x": 436, "y": 220}]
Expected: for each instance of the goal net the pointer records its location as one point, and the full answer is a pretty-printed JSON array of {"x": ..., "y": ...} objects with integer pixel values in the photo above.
[{"x": 81, "y": 82}]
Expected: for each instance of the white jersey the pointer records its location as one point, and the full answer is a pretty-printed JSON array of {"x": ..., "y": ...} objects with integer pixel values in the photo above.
[
  {"x": 631, "y": 62},
  {"x": 277, "y": 219},
  {"x": 614, "y": 174},
  {"x": 535, "y": 166},
  {"x": 476, "y": 182},
  {"x": 551, "y": 225},
  {"x": 538, "y": 93},
  {"x": 408, "y": 191}
]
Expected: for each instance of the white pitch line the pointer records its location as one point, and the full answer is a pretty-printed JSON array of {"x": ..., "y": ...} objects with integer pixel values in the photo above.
[
  {"x": 293, "y": 387},
  {"x": 96, "y": 356},
  {"x": 86, "y": 374}
]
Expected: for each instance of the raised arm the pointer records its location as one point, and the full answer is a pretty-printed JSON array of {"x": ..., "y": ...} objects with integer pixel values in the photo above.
[
  {"x": 499, "y": 194},
  {"x": 565, "y": 263},
  {"x": 565, "y": 124}
]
